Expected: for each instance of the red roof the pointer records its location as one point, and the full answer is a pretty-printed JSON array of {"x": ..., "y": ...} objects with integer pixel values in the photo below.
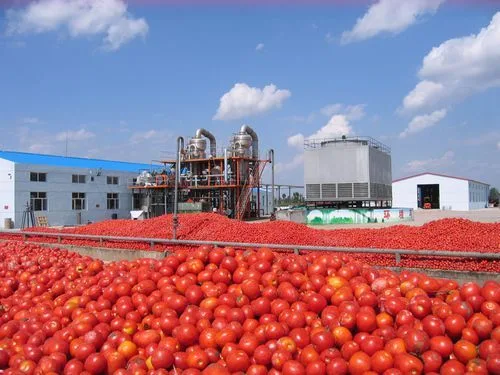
[{"x": 440, "y": 175}]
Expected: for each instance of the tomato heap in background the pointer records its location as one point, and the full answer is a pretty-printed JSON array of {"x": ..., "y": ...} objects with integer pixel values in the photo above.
[
  {"x": 221, "y": 311},
  {"x": 445, "y": 234}
]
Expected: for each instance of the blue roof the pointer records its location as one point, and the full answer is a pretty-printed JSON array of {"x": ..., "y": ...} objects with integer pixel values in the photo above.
[{"x": 63, "y": 161}]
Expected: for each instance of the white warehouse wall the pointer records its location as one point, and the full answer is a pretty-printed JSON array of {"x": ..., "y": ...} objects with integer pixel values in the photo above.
[
  {"x": 59, "y": 188},
  {"x": 478, "y": 195},
  {"x": 7, "y": 186},
  {"x": 453, "y": 193}
]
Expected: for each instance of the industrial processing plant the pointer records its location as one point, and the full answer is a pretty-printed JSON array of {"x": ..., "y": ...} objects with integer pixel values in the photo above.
[{"x": 208, "y": 180}]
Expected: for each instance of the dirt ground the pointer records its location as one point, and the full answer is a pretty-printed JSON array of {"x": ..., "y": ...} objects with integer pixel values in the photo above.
[{"x": 485, "y": 215}]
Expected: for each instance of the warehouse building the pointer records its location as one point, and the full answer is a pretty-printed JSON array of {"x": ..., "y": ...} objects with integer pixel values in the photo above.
[
  {"x": 64, "y": 190},
  {"x": 437, "y": 191}
]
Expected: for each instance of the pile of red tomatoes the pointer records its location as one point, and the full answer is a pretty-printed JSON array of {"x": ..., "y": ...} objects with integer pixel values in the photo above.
[
  {"x": 222, "y": 311},
  {"x": 445, "y": 234}
]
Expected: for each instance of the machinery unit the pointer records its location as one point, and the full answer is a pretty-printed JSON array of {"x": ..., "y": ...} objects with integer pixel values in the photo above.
[
  {"x": 347, "y": 172},
  {"x": 209, "y": 181}
]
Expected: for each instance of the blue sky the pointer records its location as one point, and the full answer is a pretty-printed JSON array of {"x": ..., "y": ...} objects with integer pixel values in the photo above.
[{"x": 125, "y": 84}]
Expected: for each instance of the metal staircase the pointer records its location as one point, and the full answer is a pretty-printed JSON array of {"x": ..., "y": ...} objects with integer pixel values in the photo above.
[{"x": 252, "y": 181}]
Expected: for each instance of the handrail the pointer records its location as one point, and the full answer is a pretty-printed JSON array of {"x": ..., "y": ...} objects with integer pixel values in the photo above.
[{"x": 289, "y": 247}]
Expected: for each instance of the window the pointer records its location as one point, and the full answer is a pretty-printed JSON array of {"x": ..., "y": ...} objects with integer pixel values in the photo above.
[
  {"x": 38, "y": 201},
  {"x": 112, "y": 180},
  {"x": 78, "y": 201},
  {"x": 137, "y": 201},
  {"x": 38, "y": 177},
  {"x": 78, "y": 179},
  {"x": 113, "y": 201}
]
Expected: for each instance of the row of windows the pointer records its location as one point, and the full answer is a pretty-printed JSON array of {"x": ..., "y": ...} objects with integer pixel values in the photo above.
[
  {"x": 76, "y": 178},
  {"x": 478, "y": 197},
  {"x": 39, "y": 201}
]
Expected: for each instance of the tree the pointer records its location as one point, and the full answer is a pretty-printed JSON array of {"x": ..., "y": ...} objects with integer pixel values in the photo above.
[{"x": 494, "y": 196}]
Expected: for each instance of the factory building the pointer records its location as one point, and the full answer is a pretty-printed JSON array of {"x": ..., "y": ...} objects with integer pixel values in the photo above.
[
  {"x": 347, "y": 172},
  {"x": 64, "y": 190},
  {"x": 437, "y": 191},
  {"x": 211, "y": 179}
]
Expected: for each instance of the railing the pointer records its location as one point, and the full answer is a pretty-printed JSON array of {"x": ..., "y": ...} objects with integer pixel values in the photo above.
[
  {"x": 368, "y": 141},
  {"x": 252, "y": 181},
  {"x": 240, "y": 245}
]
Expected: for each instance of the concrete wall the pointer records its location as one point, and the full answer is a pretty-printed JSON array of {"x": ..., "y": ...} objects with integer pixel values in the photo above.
[
  {"x": 7, "y": 185},
  {"x": 358, "y": 216},
  {"x": 59, "y": 188},
  {"x": 478, "y": 195},
  {"x": 453, "y": 193}
]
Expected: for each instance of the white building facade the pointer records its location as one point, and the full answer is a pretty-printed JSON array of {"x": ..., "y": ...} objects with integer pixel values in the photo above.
[
  {"x": 440, "y": 191},
  {"x": 65, "y": 190}
]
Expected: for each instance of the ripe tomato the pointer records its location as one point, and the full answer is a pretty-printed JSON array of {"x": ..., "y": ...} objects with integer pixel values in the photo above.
[
  {"x": 293, "y": 368},
  {"x": 381, "y": 361},
  {"x": 408, "y": 364},
  {"x": 95, "y": 363},
  {"x": 452, "y": 367},
  {"x": 432, "y": 361},
  {"x": 359, "y": 363},
  {"x": 237, "y": 361},
  {"x": 464, "y": 351}
]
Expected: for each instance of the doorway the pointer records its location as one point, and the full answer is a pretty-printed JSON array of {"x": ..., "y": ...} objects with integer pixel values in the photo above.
[{"x": 428, "y": 194}]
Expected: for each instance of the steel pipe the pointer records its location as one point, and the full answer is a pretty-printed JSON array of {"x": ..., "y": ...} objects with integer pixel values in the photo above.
[
  {"x": 255, "y": 140},
  {"x": 225, "y": 166},
  {"x": 213, "y": 145},
  {"x": 271, "y": 158},
  {"x": 180, "y": 149}
]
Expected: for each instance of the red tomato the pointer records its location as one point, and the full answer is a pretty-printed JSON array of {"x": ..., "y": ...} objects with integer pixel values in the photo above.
[
  {"x": 452, "y": 367},
  {"x": 95, "y": 363},
  {"x": 359, "y": 363},
  {"x": 237, "y": 361},
  {"x": 381, "y": 361}
]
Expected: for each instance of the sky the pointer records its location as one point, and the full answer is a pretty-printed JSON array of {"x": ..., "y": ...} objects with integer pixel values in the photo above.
[{"x": 121, "y": 80}]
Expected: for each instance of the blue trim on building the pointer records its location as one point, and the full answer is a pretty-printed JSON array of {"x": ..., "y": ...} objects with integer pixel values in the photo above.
[{"x": 73, "y": 162}]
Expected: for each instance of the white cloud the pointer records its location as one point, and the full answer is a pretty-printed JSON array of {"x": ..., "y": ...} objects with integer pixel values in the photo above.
[
  {"x": 34, "y": 140},
  {"x": 80, "y": 18},
  {"x": 259, "y": 47},
  {"x": 75, "y": 136},
  {"x": 243, "y": 100},
  {"x": 152, "y": 136},
  {"x": 30, "y": 120},
  {"x": 458, "y": 68},
  {"x": 329, "y": 38},
  {"x": 297, "y": 161},
  {"x": 351, "y": 112},
  {"x": 444, "y": 161},
  {"x": 419, "y": 123},
  {"x": 481, "y": 139},
  {"x": 296, "y": 141},
  {"x": 303, "y": 119},
  {"x": 424, "y": 92},
  {"x": 389, "y": 16},
  {"x": 337, "y": 126}
]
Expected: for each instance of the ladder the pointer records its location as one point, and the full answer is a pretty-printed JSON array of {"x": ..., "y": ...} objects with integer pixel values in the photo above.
[{"x": 246, "y": 192}]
